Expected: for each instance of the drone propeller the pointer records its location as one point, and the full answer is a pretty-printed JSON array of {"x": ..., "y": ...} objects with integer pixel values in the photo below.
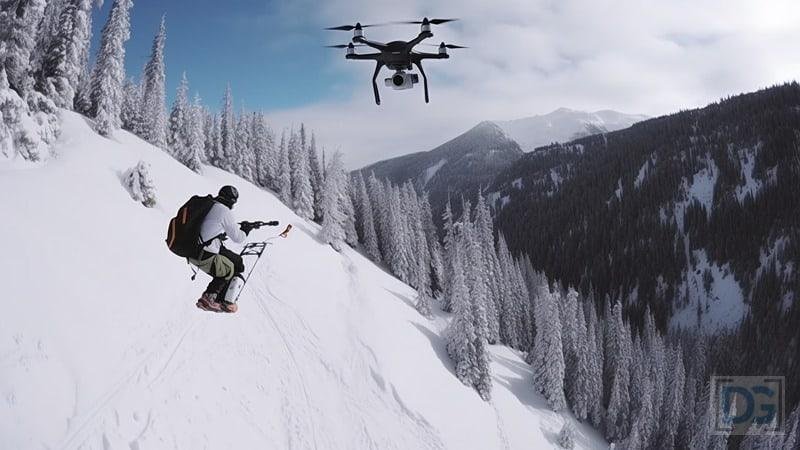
[
  {"x": 430, "y": 21},
  {"x": 345, "y": 45},
  {"x": 445, "y": 45},
  {"x": 353, "y": 27}
]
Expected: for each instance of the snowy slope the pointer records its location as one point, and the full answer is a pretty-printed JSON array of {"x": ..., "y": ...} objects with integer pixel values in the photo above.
[
  {"x": 101, "y": 346},
  {"x": 564, "y": 125}
]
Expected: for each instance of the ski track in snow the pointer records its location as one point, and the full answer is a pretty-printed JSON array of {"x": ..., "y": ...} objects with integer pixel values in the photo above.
[
  {"x": 105, "y": 400},
  {"x": 287, "y": 348}
]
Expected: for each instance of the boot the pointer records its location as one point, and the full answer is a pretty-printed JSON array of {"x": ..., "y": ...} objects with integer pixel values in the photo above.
[
  {"x": 228, "y": 307},
  {"x": 208, "y": 302}
]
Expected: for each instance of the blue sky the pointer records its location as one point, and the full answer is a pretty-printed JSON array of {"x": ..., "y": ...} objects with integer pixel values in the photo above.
[{"x": 271, "y": 61}]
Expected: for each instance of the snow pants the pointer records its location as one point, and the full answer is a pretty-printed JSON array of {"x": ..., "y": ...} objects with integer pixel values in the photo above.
[{"x": 222, "y": 266}]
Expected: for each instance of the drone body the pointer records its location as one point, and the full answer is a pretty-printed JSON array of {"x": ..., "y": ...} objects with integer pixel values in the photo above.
[{"x": 396, "y": 55}]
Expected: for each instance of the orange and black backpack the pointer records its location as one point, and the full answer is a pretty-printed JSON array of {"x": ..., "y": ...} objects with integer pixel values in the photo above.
[{"x": 183, "y": 234}]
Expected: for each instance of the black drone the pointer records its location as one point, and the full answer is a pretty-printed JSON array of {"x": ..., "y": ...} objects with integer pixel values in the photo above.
[{"x": 396, "y": 55}]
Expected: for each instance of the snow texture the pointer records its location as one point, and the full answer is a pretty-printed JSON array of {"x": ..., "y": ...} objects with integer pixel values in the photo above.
[
  {"x": 430, "y": 172},
  {"x": 101, "y": 345},
  {"x": 721, "y": 306}
]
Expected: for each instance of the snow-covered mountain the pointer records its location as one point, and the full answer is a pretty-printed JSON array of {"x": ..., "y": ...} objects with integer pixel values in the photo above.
[
  {"x": 461, "y": 165},
  {"x": 564, "y": 125},
  {"x": 101, "y": 346}
]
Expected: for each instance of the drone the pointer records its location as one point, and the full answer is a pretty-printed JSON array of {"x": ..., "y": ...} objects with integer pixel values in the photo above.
[{"x": 396, "y": 55}]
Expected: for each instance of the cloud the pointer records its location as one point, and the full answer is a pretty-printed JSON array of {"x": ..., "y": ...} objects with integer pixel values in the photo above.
[{"x": 529, "y": 57}]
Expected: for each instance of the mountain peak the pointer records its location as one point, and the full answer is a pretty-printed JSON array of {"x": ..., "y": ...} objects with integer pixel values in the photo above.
[{"x": 564, "y": 125}]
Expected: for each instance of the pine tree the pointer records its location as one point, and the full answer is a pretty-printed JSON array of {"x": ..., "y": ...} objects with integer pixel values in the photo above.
[
  {"x": 434, "y": 246},
  {"x": 618, "y": 357},
  {"x": 130, "y": 113},
  {"x": 547, "y": 357},
  {"x": 579, "y": 390},
  {"x": 244, "y": 159},
  {"x": 19, "y": 24},
  {"x": 448, "y": 251},
  {"x": 227, "y": 132},
  {"x": 196, "y": 137},
  {"x": 67, "y": 54},
  {"x": 595, "y": 355},
  {"x": 106, "y": 94},
  {"x": 673, "y": 404},
  {"x": 262, "y": 148},
  {"x": 317, "y": 179},
  {"x": 349, "y": 210},
  {"x": 484, "y": 235},
  {"x": 154, "y": 113},
  {"x": 423, "y": 304},
  {"x": 332, "y": 230},
  {"x": 177, "y": 134},
  {"x": 461, "y": 331},
  {"x": 302, "y": 191},
  {"x": 369, "y": 236},
  {"x": 285, "y": 173},
  {"x": 566, "y": 437}
]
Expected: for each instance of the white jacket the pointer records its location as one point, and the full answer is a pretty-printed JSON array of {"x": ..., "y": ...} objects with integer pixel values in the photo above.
[{"x": 220, "y": 220}]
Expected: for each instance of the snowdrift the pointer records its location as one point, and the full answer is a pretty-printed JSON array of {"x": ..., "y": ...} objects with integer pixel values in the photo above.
[{"x": 101, "y": 346}]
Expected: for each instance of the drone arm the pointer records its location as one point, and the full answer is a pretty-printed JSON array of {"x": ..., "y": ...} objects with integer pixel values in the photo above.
[
  {"x": 378, "y": 66},
  {"x": 422, "y": 36},
  {"x": 365, "y": 56},
  {"x": 420, "y": 56},
  {"x": 424, "y": 79},
  {"x": 376, "y": 45}
]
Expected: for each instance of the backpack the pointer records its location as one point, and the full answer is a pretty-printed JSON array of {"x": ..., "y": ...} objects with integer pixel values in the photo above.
[{"x": 183, "y": 233}]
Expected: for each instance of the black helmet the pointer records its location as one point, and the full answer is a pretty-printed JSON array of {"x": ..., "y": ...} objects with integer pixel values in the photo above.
[{"x": 228, "y": 196}]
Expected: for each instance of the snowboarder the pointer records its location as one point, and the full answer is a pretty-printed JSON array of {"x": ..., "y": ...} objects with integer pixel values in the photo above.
[{"x": 222, "y": 264}]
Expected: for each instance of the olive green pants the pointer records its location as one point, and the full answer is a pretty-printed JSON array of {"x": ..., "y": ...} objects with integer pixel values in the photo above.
[{"x": 222, "y": 266}]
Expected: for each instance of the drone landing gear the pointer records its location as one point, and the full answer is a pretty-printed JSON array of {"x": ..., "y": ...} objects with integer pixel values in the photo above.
[
  {"x": 424, "y": 80},
  {"x": 378, "y": 67}
]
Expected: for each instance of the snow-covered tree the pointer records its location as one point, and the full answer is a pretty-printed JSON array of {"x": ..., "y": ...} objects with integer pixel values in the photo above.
[
  {"x": 673, "y": 398},
  {"x": 302, "y": 191},
  {"x": 130, "y": 112},
  {"x": 19, "y": 23},
  {"x": 140, "y": 185},
  {"x": 194, "y": 154},
  {"x": 244, "y": 158},
  {"x": 332, "y": 230},
  {"x": 423, "y": 303},
  {"x": 178, "y": 129},
  {"x": 67, "y": 54},
  {"x": 618, "y": 357},
  {"x": 26, "y": 128},
  {"x": 547, "y": 357},
  {"x": 461, "y": 335},
  {"x": 154, "y": 113},
  {"x": 317, "y": 178},
  {"x": 106, "y": 94},
  {"x": 369, "y": 236},
  {"x": 285, "y": 172}
]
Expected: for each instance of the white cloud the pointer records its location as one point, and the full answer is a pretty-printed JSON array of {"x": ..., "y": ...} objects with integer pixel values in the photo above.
[{"x": 532, "y": 56}]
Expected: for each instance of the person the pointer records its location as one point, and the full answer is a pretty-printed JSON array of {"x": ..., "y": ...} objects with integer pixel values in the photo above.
[{"x": 225, "y": 266}]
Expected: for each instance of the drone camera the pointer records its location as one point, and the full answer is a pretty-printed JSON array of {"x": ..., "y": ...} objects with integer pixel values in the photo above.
[{"x": 402, "y": 80}]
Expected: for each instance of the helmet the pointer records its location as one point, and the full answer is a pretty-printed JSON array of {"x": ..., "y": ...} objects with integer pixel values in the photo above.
[{"x": 228, "y": 195}]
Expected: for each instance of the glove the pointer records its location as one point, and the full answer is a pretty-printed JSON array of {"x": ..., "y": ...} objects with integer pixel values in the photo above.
[{"x": 246, "y": 227}]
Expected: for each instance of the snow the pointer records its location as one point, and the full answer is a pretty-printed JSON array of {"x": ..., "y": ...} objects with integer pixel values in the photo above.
[
  {"x": 430, "y": 172},
  {"x": 517, "y": 183},
  {"x": 102, "y": 347},
  {"x": 618, "y": 190},
  {"x": 564, "y": 125},
  {"x": 703, "y": 182},
  {"x": 722, "y": 306},
  {"x": 640, "y": 176},
  {"x": 751, "y": 185}
]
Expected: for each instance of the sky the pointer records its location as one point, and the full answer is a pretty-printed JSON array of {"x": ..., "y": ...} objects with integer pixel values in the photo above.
[{"x": 526, "y": 57}]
